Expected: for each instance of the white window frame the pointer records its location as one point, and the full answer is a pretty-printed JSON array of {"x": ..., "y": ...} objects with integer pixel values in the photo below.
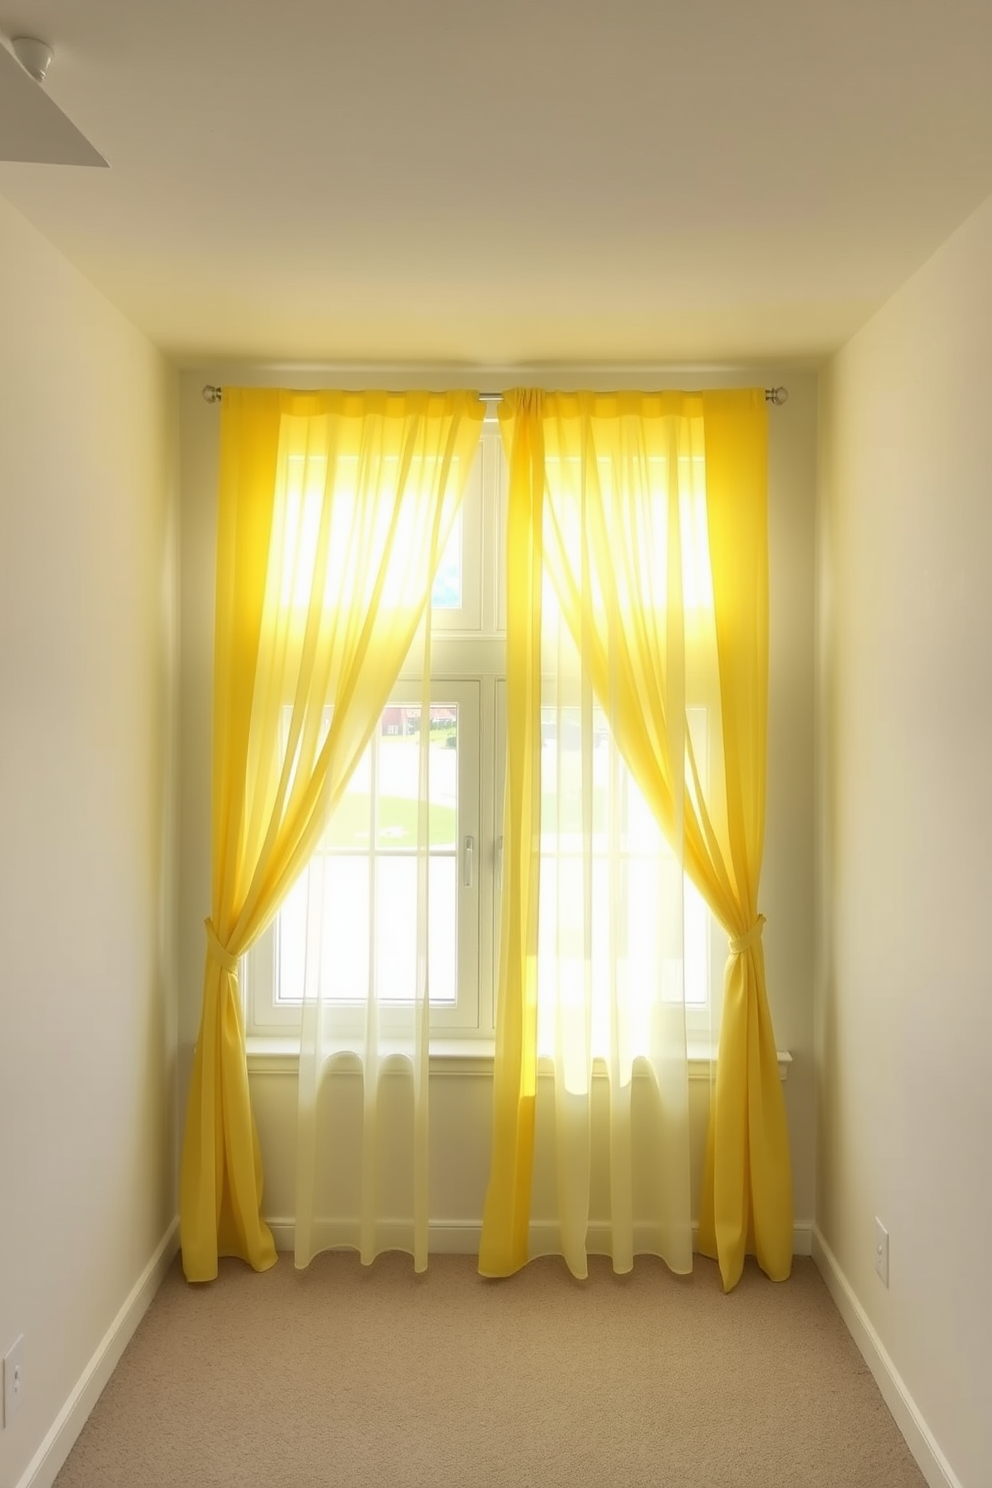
[{"x": 467, "y": 656}]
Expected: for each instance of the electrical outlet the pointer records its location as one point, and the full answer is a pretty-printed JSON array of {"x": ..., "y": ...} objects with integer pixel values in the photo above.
[
  {"x": 882, "y": 1251},
  {"x": 13, "y": 1379}
]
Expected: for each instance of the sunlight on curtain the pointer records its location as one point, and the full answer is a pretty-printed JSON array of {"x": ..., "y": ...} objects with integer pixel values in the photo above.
[
  {"x": 377, "y": 928},
  {"x": 333, "y": 511},
  {"x": 610, "y": 978},
  {"x": 610, "y": 495}
]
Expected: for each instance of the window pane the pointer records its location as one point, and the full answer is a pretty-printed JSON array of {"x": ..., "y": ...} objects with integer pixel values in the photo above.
[
  {"x": 697, "y": 960},
  {"x": 344, "y": 932},
  {"x": 382, "y": 795},
  {"x": 396, "y": 928},
  {"x": 351, "y": 821},
  {"x": 345, "y": 950},
  {"x": 399, "y": 766},
  {"x": 447, "y": 591},
  {"x": 443, "y": 923},
  {"x": 292, "y": 943},
  {"x": 625, "y": 917},
  {"x": 561, "y": 799}
]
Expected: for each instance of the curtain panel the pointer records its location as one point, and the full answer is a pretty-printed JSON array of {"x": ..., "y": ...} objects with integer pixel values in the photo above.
[
  {"x": 644, "y": 516},
  {"x": 333, "y": 510}
]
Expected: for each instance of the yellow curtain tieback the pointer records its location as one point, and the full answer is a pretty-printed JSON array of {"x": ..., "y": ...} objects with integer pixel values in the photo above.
[
  {"x": 740, "y": 943},
  {"x": 220, "y": 953}
]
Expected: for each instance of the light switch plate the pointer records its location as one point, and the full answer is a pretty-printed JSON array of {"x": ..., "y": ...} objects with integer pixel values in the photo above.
[
  {"x": 882, "y": 1251},
  {"x": 13, "y": 1379}
]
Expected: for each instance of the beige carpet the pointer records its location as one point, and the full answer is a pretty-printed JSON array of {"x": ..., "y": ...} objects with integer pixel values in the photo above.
[{"x": 339, "y": 1375}]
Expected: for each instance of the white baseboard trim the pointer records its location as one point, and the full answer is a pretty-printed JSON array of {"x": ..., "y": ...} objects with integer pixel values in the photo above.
[
  {"x": 906, "y": 1413},
  {"x": 44, "y": 1466},
  {"x": 283, "y": 1233},
  {"x": 802, "y": 1238},
  {"x": 462, "y": 1236}
]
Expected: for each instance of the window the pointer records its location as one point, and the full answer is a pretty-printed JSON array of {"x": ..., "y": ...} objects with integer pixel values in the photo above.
[
  {"x": 644, "y": 866},
  {"x": 365, "y": 870},
  {"x": 363, "y": 876},
  {"x": 364, "y": 873},
  {"x": 633, "y": 856}
]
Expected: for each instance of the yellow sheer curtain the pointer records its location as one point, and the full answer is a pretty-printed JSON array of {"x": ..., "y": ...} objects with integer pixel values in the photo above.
[
  {"x": 746, "y": 1202},
  {"x": 333, "y": 511},
  {"x": 506, "y": 1217},
  {"x": 685, "y": 462}
]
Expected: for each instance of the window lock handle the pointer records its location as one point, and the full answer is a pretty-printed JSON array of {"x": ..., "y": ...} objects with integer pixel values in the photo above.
[{"x": 469, "y": 857}]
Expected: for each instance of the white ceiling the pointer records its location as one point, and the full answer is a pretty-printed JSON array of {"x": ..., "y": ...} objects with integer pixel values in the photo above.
[{"x": 623, "y": 183}]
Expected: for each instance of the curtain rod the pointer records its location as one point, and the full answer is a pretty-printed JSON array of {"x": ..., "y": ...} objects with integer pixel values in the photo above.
[{"x": 776, "y": 395}]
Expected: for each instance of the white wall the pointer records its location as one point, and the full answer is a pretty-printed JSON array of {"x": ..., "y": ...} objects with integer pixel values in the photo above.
[
  {"x": 461, "y": 1100},
  {"x": 904, "y": 990},
  {"x": 88, "y": 548}
]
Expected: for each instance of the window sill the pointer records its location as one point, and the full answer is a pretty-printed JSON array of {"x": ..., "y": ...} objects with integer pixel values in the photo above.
[{"x": 281, "y": 1056}]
